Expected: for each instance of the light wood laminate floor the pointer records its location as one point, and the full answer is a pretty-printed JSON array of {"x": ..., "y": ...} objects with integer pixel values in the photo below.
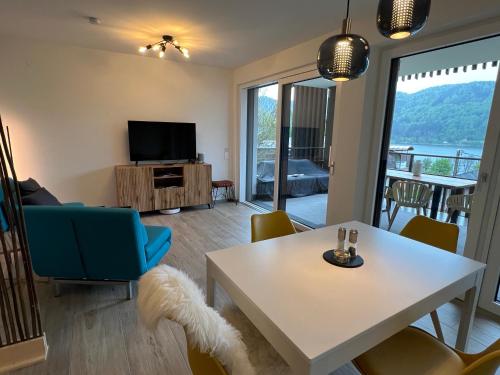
[{"x": 95, "y": 330}]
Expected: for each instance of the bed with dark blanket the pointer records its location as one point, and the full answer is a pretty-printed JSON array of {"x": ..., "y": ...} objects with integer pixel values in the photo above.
[{"x": 304, "y": 178}]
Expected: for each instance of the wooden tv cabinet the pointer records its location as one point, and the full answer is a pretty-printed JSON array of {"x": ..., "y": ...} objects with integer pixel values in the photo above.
[{"x": 163, "y": 186}]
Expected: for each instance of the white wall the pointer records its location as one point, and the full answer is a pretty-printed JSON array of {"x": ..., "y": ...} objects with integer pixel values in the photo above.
[{"x": 67, "y": 110}]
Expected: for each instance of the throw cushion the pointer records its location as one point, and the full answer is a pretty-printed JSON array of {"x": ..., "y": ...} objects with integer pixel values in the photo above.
[
  {"x": 40, "y": 198},
  {"x": 29, "y": 186}
]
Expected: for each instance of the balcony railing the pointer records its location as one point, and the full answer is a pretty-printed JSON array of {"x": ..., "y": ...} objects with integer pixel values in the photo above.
[
  {"x": 318, "y": 155},
  {"x": 460, "y": 166}
]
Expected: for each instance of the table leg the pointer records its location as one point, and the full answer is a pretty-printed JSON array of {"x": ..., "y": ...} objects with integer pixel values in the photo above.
[
  {"x": 468, "y": 313},
  {"x": 436, "y": 198},
  {"x": 210, "y": 289}
]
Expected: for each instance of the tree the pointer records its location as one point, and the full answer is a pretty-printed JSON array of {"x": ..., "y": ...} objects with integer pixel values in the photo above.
[
  {"x": 442, "y": 167},
  {"x": 266, "y": 122},
  {"x": 426, "y": 165}
]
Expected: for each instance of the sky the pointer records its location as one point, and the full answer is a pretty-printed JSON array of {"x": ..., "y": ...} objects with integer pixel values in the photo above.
[
  {"x": 415, "y": 85},
  {"x": 271, "y": 91}
]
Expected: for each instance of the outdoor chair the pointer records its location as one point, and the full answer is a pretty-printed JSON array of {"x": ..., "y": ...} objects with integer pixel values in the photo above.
[
  {"x": 459, "y": 202},
  {"x": 388, "y": 200},
  {"x": 409, "y": 194}
]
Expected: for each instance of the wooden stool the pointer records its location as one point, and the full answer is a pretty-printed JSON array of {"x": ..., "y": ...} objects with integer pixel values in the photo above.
[{"x": 228, "y": 192}]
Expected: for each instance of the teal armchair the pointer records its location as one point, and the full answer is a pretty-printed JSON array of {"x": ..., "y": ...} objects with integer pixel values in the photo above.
[{"x": 93, "y": 244}]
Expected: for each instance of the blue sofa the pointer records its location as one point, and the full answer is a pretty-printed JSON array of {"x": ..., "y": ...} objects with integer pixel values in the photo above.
[{"x": 74, "y": 243}]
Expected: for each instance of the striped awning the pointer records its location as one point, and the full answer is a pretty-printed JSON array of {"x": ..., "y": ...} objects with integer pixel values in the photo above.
[{"x": 447, "y": 71}]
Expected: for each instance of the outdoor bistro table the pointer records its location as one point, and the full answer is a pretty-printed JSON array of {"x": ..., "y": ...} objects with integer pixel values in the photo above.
[{"x": 456, "y": 185}]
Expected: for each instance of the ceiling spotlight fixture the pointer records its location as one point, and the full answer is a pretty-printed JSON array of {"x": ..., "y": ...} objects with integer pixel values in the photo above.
[
  {"x": 345, "y": 56},
  {"x": 161, "y": 46},
  {"x": 399, "y": 19}
]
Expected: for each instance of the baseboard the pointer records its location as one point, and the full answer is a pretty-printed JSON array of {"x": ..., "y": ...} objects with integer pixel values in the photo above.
[{"x": 23, "y": 354}]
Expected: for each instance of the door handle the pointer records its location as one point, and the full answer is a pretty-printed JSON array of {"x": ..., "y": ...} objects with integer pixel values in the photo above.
[{"x": 331, "y": 163}]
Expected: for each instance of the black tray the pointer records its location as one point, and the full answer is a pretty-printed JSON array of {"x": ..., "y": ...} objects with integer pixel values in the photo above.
[{"x": 355, "y": 262}]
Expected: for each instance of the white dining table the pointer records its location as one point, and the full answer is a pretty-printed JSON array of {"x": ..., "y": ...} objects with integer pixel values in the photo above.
[{"x": 318, "y": 316}]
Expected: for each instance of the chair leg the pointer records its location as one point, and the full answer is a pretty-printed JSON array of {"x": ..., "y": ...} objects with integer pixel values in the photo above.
[
  {"x": 418, "y": 210},
  {"x": 130, "y": 291},
  {"x": 57, "y": 289},
  {"x": 388, "y": 208},
  {"x": 448, "y": 218},
  {"x": 233, "y": 195},
  {"x": 425, "y": 211},
  {"x": 437, "y": 326},
  {"x": 393, "y": 216},
  {"x": 215, "y": 194}
]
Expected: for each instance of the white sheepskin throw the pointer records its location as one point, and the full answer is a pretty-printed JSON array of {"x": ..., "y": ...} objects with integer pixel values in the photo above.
[{"x": 166, "y": 292}]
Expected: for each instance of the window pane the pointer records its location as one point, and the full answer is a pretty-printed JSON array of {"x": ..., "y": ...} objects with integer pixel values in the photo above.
[
  {"x": 261, "y": 144},
  {"x": 306, "y": 134}
]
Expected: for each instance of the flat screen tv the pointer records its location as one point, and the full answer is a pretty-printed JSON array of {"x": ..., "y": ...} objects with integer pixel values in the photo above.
[{"x": 161, "y": 140}]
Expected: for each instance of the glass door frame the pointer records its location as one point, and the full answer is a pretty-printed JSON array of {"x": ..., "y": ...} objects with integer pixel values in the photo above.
[
  {"x": 491, "y": 280},
  {"x": 280, "y": 154},
  {"x": 480, "y": 227},
  {"x": 252, "y": 127},
  {"x": 304, "y": 74},
  {"x": 489, "y": 240}
]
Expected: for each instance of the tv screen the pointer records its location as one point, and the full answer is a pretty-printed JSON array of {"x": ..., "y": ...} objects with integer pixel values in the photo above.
[{"x": 161, "y": 140}]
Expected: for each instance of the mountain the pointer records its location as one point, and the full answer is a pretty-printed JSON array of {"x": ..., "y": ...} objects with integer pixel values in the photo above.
[
  {"x": 449, "y": 114},
  {"x": 453, "y": 114},
  {"x": 267, "y": 104}
]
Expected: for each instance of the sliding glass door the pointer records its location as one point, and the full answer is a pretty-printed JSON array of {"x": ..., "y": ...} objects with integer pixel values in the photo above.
[
  {"x": 439, "y": 147},
  {"x": 262, "y": 106},
  {"x": 289, "y": 137},
  {"x": 306, "y": 138}
]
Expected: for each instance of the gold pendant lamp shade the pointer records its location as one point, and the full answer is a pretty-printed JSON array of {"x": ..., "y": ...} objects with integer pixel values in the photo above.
[
  {"x": 399, "y": 19},
  {"x": 345, "y": 56}
]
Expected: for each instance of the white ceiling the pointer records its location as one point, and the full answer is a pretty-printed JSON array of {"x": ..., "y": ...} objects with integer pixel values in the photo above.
[{"x": 226, "y": 33}]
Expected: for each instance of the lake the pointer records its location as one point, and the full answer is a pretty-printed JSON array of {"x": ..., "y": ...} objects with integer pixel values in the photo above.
[{"x": 446, "y": 150}]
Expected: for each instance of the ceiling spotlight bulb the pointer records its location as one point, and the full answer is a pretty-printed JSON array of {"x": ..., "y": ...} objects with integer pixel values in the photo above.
[
  {"x": 162, "y": 52},
  {"x": 175, "y": 42},
  {"x": 156, "y": 47},
  {"x": 185, "y": 52},
  {"x": 142, "y": 49}
]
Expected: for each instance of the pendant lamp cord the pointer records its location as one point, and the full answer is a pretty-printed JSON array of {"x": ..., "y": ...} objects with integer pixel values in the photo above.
[{"x": 347, "y": 13}]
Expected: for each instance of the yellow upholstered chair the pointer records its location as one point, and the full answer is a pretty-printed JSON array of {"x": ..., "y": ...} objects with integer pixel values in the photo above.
[
  {"x": 203, "y": 363},
  {"x": 437, "y": 234},
  {"x": 272, "y": 225},
  {"x": 214, "y": 346},
  {"x": 415, "y": 352},
  {"x": 432, "y": 232}
]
